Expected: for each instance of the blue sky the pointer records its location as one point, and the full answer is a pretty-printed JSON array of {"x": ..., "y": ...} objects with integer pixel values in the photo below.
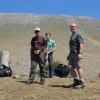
[{"x": 89, "y": 8}]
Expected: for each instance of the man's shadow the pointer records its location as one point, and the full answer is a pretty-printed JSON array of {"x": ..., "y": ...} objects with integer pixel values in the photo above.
[
  {"x": 63, "y": 86},
  {"x": 26, "y": 81}
]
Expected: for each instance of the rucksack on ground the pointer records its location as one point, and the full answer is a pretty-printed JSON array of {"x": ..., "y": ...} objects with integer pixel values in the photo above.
[
  {"x": 61, "y": 70},
  {"x": 5, "y": 71}
]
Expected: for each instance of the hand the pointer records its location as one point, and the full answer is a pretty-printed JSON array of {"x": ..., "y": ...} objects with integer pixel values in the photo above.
[
  {"x": 46, "y": 57},
  {"x": 79, "y": 56},
  {"x": 49, "y": 52}
]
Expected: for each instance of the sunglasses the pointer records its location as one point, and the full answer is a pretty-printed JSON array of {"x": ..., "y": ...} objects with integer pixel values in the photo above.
[
  {"x": 37, "y": 31},
  {"x": 72, "y": 26}
]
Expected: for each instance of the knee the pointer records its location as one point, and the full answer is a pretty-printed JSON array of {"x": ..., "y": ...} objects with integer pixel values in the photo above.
[
  {"x": 70, "y": 68},
  {"x": 78, "y": 68}
]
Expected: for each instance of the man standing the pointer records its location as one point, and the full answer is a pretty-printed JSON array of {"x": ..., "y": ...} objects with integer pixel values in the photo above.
[
  {"x": 51, "y": 47},
  {"x": 75, "y": 56},
  {"x": 37, "y": 54}
]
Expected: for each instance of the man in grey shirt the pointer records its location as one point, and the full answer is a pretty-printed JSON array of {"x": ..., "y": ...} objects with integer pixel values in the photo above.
[{"x": 75, "y": 56}]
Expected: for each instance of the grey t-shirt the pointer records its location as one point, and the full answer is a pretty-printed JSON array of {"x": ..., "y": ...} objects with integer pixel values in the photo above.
[{"x": 74, "y": 43}]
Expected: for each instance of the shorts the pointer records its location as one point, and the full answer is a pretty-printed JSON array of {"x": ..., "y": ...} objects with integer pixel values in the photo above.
[{"x": 73, "y": 61}]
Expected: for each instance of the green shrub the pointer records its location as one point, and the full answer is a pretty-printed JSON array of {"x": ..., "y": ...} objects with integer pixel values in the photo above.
[{"x": 55, "y": 64}]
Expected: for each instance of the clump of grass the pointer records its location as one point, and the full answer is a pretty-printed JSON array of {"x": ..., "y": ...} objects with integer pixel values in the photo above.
[{"x": 55, "y": 64}]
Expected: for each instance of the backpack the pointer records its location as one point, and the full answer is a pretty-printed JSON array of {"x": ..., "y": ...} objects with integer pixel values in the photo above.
[
  {"x": 5, "y": 71},
  {"x": 61, "y": 70}
]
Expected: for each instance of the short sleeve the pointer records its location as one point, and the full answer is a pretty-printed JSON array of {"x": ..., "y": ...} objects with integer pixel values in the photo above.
[
  {"x": 80, "y": 38},
  {"x": 45, "y": 42},
  {"x": 31, "y": 42},
  {"x": 54, "y": 43}
]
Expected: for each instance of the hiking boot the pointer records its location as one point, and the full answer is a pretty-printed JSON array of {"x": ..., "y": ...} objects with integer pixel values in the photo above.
[
  {"x": 41, "y": 81},
  {"x": 82, "y": 84},
  {"x": 50, "y": 76},
  {"x": 76, "y": 83},
  {"x": 29, "y": 82}
]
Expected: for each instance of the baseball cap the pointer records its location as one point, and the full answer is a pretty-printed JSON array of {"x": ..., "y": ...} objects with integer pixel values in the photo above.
[{"x": 37, "y": 29}]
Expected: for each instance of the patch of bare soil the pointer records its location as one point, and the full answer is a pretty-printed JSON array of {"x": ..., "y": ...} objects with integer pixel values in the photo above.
[{"x": 54, "y": 89}]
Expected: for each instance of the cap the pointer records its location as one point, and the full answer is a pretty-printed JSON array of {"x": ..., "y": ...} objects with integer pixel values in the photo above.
[{"x": 37, "y": 29}]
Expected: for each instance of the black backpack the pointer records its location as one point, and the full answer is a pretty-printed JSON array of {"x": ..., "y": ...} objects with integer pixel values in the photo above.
[
  {"x": 61, "y": 70},
  {"x": 5, "y": 71}
]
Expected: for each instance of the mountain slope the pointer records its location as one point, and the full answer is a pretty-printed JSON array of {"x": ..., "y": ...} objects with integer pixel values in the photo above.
[{"x": 16, "y": 31}]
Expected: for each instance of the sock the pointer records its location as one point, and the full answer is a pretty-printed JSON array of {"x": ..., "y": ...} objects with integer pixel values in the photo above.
[
  {"x": 75, "y": 78},
  {"x": 82, "y": 80}
]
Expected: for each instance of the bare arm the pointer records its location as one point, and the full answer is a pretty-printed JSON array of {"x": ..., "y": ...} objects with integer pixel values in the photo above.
[
  {"x": 52, "y": 50},
  {"x": 80, "y": 51},
  {"x": 81, "y": 47}
]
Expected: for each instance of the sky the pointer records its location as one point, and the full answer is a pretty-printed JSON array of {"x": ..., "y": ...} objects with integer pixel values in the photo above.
[{"x": 90, "y": 8}]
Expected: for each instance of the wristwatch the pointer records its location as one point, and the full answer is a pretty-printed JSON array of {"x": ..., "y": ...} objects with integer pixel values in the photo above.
[{"x": 80, "y": 53}]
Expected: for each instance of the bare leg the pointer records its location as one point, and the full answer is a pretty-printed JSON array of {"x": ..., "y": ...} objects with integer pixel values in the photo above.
[
  {"x": 72, "y": 71},
  {"x": 80, "y": 72},
  {"x": 81, "y": 76}
]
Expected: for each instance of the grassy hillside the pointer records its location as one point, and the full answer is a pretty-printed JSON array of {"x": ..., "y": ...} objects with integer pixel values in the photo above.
[{"x": 16, "y": 31}]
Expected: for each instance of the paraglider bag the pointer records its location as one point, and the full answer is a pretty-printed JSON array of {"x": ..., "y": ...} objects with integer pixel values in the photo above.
[
  {"x": 61, "y": 70},
  {"x": 5, "y": 71}
]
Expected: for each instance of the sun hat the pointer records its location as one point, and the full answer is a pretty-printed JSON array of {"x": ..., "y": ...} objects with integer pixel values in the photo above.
[{"x": 37, "y": 29}]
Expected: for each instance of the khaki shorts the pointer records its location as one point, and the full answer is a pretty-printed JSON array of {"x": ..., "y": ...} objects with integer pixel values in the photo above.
[{"x": 73, "y": 61}]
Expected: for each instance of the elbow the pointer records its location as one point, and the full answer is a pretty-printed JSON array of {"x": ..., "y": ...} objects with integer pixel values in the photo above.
[{"x": 54, "y": 49}]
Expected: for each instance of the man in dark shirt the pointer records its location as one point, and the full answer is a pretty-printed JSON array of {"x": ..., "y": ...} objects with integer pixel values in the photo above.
[
  {"x": 75, "y": 56},
  {"x": 37, "y": 55}
]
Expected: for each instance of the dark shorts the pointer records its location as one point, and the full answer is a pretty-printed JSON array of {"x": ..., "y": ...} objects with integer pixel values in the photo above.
[{"x": 73, "y": 61}]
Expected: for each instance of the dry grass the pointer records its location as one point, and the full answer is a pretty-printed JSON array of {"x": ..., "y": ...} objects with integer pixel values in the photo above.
[{"x": 54, "y": 89}]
